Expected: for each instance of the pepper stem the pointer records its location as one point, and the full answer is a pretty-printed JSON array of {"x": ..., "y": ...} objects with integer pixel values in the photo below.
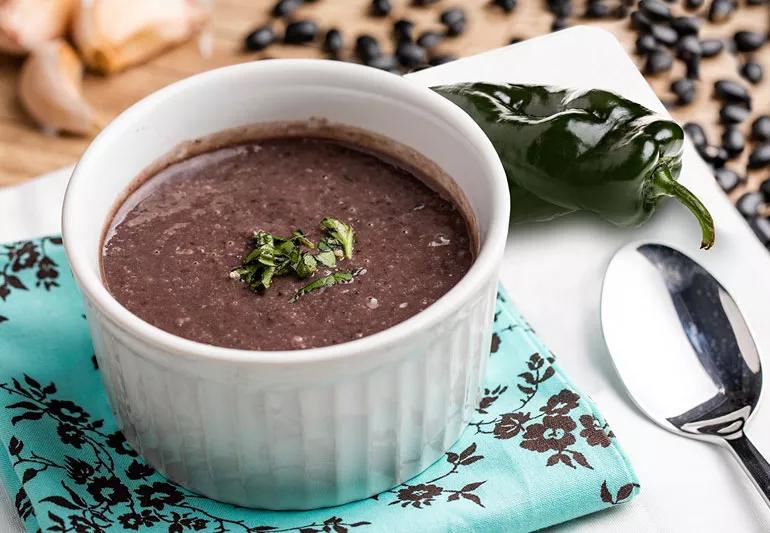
[{"x": 668, "y": 186}]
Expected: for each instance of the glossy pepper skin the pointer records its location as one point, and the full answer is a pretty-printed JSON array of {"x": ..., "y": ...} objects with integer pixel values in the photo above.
[{"x": 566, "y": 150}]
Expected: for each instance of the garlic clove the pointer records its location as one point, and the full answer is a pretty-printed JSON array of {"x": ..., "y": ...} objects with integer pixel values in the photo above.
[
  {"x": 115, "y": 34},
  {"x": 50, "y": 90},
  {"x": 25, "y": 24}
]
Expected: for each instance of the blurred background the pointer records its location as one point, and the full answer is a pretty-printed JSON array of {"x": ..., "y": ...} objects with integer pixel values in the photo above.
[{"x": 69, "y": 66}]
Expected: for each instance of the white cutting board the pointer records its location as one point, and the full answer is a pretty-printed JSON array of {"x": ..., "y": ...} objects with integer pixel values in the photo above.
[{"x": 554, "y": 271}]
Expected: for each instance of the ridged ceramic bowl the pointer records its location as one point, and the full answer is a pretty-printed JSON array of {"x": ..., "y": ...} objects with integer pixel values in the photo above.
[{"x": 306, "y": 428}]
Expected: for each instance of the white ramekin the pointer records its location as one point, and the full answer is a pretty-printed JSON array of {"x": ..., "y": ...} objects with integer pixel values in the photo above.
[{"x": 307, "y": 428}]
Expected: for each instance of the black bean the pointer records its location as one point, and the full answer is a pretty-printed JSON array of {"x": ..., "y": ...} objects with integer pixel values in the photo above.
[
  {"x": 333, "y": 41},
  {"x": 730, "y": 91},
  {"x": 760, "y": 156},
  {"x": 455, "y": 28},
  {"x": 429, "y": 39},
  {"x": 749, "y": 41},
  {"x": 658, "y": 61},
  {"x": 260, "y": 38},
  {"x": 422, "y": 3},
  {"x": 721, "y": 10},
  {"x": 507, "y": 5},
  {"x": 645, "y": 44},
  {"x": 664, "y": 34},
  {"x": 711, "y": 47},
  {"x": 640, "y": 21},
  {"x": 559, "y": 23},
  {"x": 733, "y": 141},
  {"x": 696, "y": 133},
  {"x": 716, "y": 156},
  {"x": 515, "y": 40},
  {"x": 692, "y": 65},
  {"x": 621, "y": 11},
  {"x": 752, "y": 72},
  {"x": 688, "y": 46},
  {"x": 301, "y": 31},
  {"x": 693, "y": 4},
  {"x": 760, "y": 128},
  {"x": 410, "y": 55},
  {"x": 655, "y": 10},
  {"x": 749, "y": 203},
  {"x": 686, "y": 25},
  {"x": 756, "y": 2},
  {"x": 450, "y": 16},
  {"x": 684, "y": 89},
  {"x": 761, "y": 227},
  {"x": 441, "y": 59},
  {"x": 284, "y": 7},
  {"x": 367, "y": 48},
  {"x": 560, "y": 8},
  {"x": 384, "y": 62},
  {"x": 380, "y": 8},
  {"x": 597, "y": 10},
  {"x": 764, "y": 188},
  {"x": 733, "y": 114},
  {"x": 727, "y": 179},
  {"x": 402, "y": 30}
]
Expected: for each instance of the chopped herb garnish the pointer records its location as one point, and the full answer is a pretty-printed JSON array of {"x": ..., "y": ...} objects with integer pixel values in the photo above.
[{"x": 278, "y": 256}]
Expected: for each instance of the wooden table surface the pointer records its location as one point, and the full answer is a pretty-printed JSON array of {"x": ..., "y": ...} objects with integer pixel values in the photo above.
[{"x": 25, "y": 151}]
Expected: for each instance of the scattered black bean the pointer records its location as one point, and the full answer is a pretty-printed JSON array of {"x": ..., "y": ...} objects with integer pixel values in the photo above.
[
  {"x": 333, "y": 42},
  {"x": 655, "y": 10},
  {"x": 752, "y": 72},
  {"x": 760, "y": 156},
  {"x": 749, "y": 204},
  {"x": 515, "y": 40},
  {"x": 455, "y": 28},
  {"x": 761, "y": 227},
  {"x": 645, "y": 44},
  {"x": 696, "y": 133},
  {"x": 688, "y": 46},
  {"x": 441, "y": 59},
  {"x": 559, "y": 23},
  {"x": 423, "y": 3},
  {"x": 367, "y": 48},
  {"x": 733, "y": 114},
  {"x": 597, "y": 10},
  {"x": 686, "y": 25},
  {"x": 380, "y": 8},
  {"x": 410, "y": 55},
  {"x": 640, "y": 21},
  {"x": 658, "y": 61},
  {"x": 450, "y": 16},
  {"x": 711, "y": 47},
  {"x": 764, "y": 188},
  {"x": 760, "y": 129},
  {"x": 507, "y": 5},
  {"x": 560, "y": 8},
  {"x": 684, "y": 89},
  {"x": 384, "y": 62},
  {"x": 429, "y": 39},
  {"x": 716, "y": 156},
  {"x": 284, "y": 7},
  {"x": 749, "y": 41},
  {"x": 733, "y": 141},
  {"x": 402, "y": 30},
  {"x": 693, "y": 4},
  {"x": 301, "y": 31},
  {"x": 727, "y": 179},
  {"x": 730, "y": 91},
  {"x": 721, "y": 10},
  {"x": 260, "y": 38},
  {"x": 664, "y": 34},
  {"x": 692, "y": 65}
]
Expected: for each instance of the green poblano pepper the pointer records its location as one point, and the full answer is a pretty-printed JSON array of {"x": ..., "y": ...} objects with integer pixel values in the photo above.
[{"x": 567, "y": 150}]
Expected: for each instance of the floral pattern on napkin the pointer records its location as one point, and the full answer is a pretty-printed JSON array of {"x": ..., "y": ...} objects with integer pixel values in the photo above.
[{"x": 536, "y": 454}]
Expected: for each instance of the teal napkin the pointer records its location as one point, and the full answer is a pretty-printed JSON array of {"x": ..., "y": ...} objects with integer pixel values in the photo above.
[{"x": 537, "y": 453}]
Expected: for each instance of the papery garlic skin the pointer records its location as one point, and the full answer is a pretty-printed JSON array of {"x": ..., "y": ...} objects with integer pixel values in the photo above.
[
  {"x": 112, "y": 35},
  {"x": 50, "y": 90},
  {"x": 25, "y": 24}
]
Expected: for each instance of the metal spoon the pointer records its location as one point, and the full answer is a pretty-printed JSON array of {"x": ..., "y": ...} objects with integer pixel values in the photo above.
[{"x": 683, "y": 350}]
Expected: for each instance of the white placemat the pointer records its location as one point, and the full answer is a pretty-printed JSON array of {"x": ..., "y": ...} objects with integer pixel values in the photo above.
[{"x": 554, "y": 272}]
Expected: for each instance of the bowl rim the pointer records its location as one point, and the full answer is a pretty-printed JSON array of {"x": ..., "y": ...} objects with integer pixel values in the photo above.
[{"x": 483, "y": 268}]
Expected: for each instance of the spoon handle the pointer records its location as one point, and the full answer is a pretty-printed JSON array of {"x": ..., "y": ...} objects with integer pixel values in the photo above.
[{"x": 755, "y": 465}]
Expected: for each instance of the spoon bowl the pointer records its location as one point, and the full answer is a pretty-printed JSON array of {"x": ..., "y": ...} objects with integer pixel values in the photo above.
[{"x": 683, "y": 349}]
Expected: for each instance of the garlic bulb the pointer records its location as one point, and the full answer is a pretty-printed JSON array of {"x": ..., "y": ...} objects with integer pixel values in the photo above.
[
  {"x": 114, "y": 34},
  {"x": 50, "y": 90},
  {"x": 25, "y": 24}
]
